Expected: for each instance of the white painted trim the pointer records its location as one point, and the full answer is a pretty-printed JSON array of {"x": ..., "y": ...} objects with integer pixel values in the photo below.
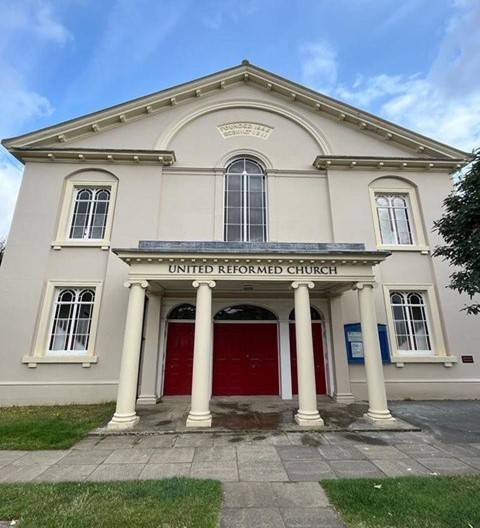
[
  {"x": 39, "y": 383},
  {"x": 427, "y": 380}
]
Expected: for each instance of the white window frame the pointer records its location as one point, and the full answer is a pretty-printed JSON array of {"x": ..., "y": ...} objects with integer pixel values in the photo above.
[
  {"x": 438, "y": 352},
  {"x": 40, "y": 352},
  {"x": 245, "y": 210},
  {"x": 91, "y": 214},
  {"x": 414, "y": 218},
  {"x": 67, "y": 209}
]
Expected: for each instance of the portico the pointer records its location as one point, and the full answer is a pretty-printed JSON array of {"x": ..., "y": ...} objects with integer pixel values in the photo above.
[{"x": 235, "y": 270}]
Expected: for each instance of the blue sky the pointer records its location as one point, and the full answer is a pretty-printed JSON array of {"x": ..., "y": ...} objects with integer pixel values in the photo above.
[{"x": 416, "y": 62}]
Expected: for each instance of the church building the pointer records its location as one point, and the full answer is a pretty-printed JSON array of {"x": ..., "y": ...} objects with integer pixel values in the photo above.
[{"x": 236, "y": 235}]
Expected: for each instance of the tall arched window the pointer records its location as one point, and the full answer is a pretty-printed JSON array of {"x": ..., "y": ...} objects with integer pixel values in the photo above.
[
  {"x": 410, "y": 321},
  {"x": 90, "y": 213},
  {"x": 245, "y": 202}
]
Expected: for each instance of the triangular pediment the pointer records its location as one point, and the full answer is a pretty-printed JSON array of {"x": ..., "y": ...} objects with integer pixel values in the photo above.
[{"x": 65, "y": 135}]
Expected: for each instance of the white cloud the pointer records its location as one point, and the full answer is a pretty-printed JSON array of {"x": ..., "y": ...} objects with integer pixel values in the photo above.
[
  {"x": 319, "y": 65},
  {"x": 443, "y": 103}
]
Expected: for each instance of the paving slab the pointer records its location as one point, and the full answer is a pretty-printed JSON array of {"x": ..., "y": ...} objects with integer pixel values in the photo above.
[
  {"x": 355, "y": 469},
  {"x": 308, "y": 470},
  {"x": 130, "y": 456},
  {"x": 194, "y": 440},
  {"x": 264, "y": 471},
  {"x": 214, "y": 454},
  {"x": 65, "y": 473},
  {"x": 249, "y": 495},
  {"x": 107, "y": 472},
  {"x": 311, "y": 518},
  {"x": 472, "y": 461},
  {"x": 85, "y": 457},
  {"x": 45, "y": 458},
  {"x": 13, "y": 473},
  {"x": 251, "y": 518},
  {"x": 172, "y": 455},
  {"x": 117, "y": 442},
  {"x": 447, "y": 466},
  {"x": 87, "y": 443},
  {"x": 9, "y": 456},
  {"x": 381, "y": 452},
  {"x": 156, "y": 441},
  {"x": 161, "y": 471},
  {"x": 458, "y": 450},
  {"x": 401, "y": 467},
  {"x": 421, "y": 450},
  {"x": 298, "y": 452},
  {"x": 341, "y": 452},
  {"x": 253, "y": 454},
  {"x": 299, "y": 495},
  {"x": 223, "y": 470}
]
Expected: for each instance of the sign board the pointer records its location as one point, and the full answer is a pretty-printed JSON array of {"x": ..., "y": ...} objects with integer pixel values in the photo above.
[{"x": 354, "y": 343}]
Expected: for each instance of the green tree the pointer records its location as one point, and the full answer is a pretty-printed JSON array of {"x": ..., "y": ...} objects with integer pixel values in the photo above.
[{"x": 460, "y": 230}]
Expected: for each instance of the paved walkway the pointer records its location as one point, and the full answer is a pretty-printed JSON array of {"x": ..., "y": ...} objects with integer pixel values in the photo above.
[{"x": 268, "y": 479}]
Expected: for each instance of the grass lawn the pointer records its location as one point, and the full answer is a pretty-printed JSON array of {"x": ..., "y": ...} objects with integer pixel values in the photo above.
[
  {"x": 168, "y": 503},
  {"x": 45, "y": 427},
  {"x": 408, "y": 502}
]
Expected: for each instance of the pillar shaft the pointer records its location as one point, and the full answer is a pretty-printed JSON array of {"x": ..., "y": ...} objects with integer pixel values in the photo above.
[
  {"x": 377, "y": 397},
  {"x": 125, "y": 417},
  {"x": 307, "y": 393},
  {"x": 199, "y": 415}
]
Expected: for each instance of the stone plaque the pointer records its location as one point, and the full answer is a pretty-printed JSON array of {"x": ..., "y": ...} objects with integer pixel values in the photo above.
[{"x": 244, "y": 128}]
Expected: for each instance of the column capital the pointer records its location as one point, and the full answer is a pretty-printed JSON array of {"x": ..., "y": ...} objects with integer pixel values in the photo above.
[
  {"x": 307, "y": 284},
  {"x": 209, "y": 283},
  {"x": 361, "y": 285},
  {"x": 140, "y": 282}
]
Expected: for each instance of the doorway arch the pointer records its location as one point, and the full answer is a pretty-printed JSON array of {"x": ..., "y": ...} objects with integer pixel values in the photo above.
[
  {"x": 318, "y": 351},
  {"x": 245, "y": 351}
]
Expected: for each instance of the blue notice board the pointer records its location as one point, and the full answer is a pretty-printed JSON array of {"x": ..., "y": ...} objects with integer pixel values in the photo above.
[{"x": 354, "y": 342}]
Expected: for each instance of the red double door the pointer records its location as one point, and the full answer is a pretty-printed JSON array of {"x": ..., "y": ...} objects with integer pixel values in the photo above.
[
  {"x": 319, "y": 362},
  {"x": 245, "y": 359}
]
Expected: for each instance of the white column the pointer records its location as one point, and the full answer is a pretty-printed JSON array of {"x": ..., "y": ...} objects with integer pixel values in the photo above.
[
  {"x": 285, "y": 360},
  {"x": 199, "y": 415},
  {"x": 125, "y": 417},
  {"x": 307, "y": 393},
  {"x": 377, "y": 396}
]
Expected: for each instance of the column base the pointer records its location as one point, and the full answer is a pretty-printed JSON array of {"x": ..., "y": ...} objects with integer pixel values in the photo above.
[
  {"x": 309, "y": 419},
  {"x": 123, "y": 422},
  {"x": 199, "y": 420},
  {"x": 147, "y": 399},
  {"x": 344, "y": 397},
  {"x": 379, "y": 416}
]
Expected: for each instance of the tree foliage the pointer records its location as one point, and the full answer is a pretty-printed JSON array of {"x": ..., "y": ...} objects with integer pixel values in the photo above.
[
  {"x": 460, "y": 230},
  {"x": 2, "y": 250}
]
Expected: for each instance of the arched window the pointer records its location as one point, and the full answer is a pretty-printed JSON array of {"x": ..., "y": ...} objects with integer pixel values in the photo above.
[
  {"x": 245, "y": 312},
  {"x": 410, "y": 321},
  {"x": 394, "y": 218},
  {"x": 245, "y": 202},
  {"x": 315, "y": 316},
  {"x": 90, "y": 212},
  {"x": 182, "y": 312},
  {"x": 72, "y": 320}
]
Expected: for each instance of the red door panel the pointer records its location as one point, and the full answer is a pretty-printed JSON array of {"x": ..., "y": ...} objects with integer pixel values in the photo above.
[
  {"x": 245, "y": 359},
  {"x": 317, "y": 355},
  {"x": 179, "y": 359}
]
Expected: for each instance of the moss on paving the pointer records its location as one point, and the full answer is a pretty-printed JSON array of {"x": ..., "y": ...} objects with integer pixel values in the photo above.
[
  {"x": 407, "y": 502},
  {"x": 171, "y": 503},
  {"x": 49, "y": 427}
]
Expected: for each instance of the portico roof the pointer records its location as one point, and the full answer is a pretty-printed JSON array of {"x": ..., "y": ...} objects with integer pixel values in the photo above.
[{"x": 250, "y": 248}]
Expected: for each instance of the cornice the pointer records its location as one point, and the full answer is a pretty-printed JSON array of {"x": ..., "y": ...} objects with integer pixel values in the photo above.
[
  {"x": 110, "y": 156},
  {"x": 288, "y": 90},
  {"x": 372, "y": 162}
]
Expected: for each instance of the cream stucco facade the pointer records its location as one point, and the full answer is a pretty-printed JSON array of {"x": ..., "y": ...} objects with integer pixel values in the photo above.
[{"x": 162, "y": 159}]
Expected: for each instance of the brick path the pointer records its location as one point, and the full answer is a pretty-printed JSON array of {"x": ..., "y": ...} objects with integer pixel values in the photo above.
[{"x": 268, "y": 479}]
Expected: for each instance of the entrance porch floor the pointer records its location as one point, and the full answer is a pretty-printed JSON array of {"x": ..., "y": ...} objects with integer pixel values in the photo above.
[{"x": 255, "y": 413}]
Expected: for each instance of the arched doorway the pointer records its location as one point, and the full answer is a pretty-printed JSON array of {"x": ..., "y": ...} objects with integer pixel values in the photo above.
[
  {"x": 179, "y": 351},
  {"x": 245, "y": 352},
  {"x": 317, "y": 335}
]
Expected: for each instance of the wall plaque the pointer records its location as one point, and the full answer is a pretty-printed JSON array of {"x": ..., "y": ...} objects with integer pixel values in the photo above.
[{"x": 244, "y": 128}]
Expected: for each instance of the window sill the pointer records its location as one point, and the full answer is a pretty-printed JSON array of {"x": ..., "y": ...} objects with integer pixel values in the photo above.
[
  {"x": 103, "y": 244},
  {"x": 424, "y": 250},
  {"x": 86, "y": 361},
  {"x": 447, "y": 361}
]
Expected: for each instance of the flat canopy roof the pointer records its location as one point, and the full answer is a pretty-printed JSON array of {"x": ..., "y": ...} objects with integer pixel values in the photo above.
[{"x": 256, "y": 248}]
